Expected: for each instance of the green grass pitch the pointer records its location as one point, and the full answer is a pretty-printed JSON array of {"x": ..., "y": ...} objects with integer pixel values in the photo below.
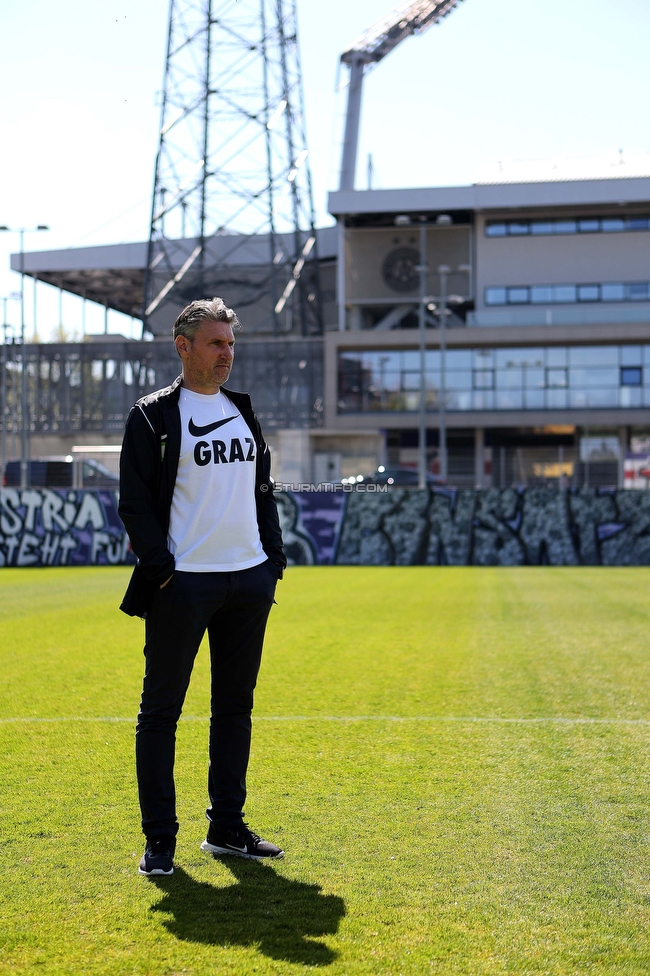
[{"x": 455, "y": 760}]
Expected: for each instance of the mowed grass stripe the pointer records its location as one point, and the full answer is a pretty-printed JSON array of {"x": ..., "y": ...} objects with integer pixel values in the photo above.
[
  {"x": 357, "y": 718},
  {"x": 456, "y": 761},
  {"x": 367, "y": 641}
]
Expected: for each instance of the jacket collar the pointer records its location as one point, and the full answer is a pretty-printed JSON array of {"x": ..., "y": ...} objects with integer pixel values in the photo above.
[{"x": 239, "y": 399}]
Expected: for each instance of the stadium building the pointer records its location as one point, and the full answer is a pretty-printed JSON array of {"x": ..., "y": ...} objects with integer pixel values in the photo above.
[{"x": 547, "y": 334}]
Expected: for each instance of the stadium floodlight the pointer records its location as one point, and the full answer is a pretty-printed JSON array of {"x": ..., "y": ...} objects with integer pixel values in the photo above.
[
  {"x": 373, "y": 45},
  {"x": 232, "y": 209}
]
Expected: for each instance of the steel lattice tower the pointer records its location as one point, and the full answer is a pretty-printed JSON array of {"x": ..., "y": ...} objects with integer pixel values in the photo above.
[{"x": 232, "y": 211}]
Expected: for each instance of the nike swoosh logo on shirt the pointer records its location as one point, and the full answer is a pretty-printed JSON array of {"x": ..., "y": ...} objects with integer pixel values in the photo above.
[{"x": 202, "y": 431}]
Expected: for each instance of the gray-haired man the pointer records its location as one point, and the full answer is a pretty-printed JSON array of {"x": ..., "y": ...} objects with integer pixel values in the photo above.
[{"x": 196, "y": 497}]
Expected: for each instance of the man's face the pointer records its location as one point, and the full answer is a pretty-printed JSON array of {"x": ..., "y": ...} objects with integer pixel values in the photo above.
[{"x": 207, "y": 359}]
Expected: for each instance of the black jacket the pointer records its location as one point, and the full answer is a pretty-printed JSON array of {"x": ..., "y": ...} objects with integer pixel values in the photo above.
[{"x": 148, "y": 467}]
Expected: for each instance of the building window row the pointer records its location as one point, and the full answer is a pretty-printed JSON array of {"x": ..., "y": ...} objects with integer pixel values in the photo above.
[
  {"x": 551, "y": 378},
  {"x": 613, "y": 291},
  {"x": 582, "y": 225}
]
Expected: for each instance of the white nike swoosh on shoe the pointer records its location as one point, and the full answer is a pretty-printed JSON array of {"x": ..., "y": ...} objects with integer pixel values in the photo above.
[{"x": 242, "y": 850}]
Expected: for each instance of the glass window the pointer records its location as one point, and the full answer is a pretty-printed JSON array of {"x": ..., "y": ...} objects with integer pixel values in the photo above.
[
  {"x": 495, "y": 230},
  {"x": 612, "y": 292},
  {"x": 630, "y": 396},
  {"x": 556, "y": 378},
  {"x": 588, "y": 293},
  {"x": 542, "y": 227},
  {"x": 603, "y": 398},
  {"x": 390, "y": 382},
  {"x": 564, "y": 293},
  {"x": 556, "y": 399},
  {"x": 534, "y": 399},
  {"x": 592, "y": 377},
  {"x": 646, "y": 356},
  {"x": 541, "y": 294},
  {"x": 410, "y": 381},
  {"x": 517, "y": 228},
  {"x": 638, "y": 223},
  {"x": 593, "y": 355},
  {"x": 483, "y": 379},
  {"x": 588, "y": 226},
  {"x": 631, "y": 376},
  {"x": 411, "y": 359},
  {"x": 565, "y": 227},
  {"x": 410, "y": 401},
  {"x": 578, "y": 398},
  {"x": 510, "y": 379},
  {"x": 631, "y": 355},
  {"x": 484, "y": 399},
  {"x": 517, "y": 296},
  {"x": 611, "y": 224},
  {"x": 367, "y": 361},
  {"x": 458, "y": 359},
  {"x": 432, "y": 359},
  {"x": 636, "y": 291},
  {"x": 594, "y": 398},
  {"x": 509, "y": 400},
  {"x": 459, "y": 401},
  {"x": 458, "y": 379},
  {"x": 385, "y": 361},
  {"x": 530, "y": 357},
  {"x": 506, "y": 357},
  {"x": 495, "y": 296},
  {"x": 484, "y": 358},
  {"x": 556, "y": 356},
  {"x": 534, "y": 378}
]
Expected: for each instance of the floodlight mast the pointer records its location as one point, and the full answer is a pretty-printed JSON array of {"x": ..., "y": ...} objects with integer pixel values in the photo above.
[
  {"x": 408, "y": 18},
  {"x": 232, "y": 210}
]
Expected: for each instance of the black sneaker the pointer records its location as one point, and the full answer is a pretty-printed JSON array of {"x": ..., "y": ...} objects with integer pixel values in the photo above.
[
  {"x": 241, "y": 842},
  {"x": 158, "y": 857}
]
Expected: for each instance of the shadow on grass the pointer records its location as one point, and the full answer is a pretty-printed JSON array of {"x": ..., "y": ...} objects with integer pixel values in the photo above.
[{"x": 280, "y": 918}]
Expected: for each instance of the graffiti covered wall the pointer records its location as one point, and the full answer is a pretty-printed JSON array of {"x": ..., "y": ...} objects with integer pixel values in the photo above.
[
  {"x": 497, "y": 527},
  {"x": 493, "y": 527},
  {"x": 43, "y": 527}
]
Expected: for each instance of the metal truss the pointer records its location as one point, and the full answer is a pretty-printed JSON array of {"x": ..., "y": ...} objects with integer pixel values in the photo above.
[
  {"x": 232, "y": 211},
  {"x": 410, "y": 17},
  {"x": 76, "y": 387}
]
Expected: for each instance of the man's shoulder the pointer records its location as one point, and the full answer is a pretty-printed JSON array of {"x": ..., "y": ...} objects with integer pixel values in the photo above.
[
  {"x": 160, "y": 397},
  {"x": 239, "y": 399}
]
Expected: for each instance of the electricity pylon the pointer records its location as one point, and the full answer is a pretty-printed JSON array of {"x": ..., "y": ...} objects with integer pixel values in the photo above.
[{"x": 232, "y": 211}]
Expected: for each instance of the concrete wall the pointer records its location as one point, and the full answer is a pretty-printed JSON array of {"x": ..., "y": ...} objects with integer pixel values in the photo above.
[
  {"x": 368, "y": 248},
  {"x": 559, "y": 259}
]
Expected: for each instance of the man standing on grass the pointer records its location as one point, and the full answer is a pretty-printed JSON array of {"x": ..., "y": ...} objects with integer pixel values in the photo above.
[{"x": 196, "y": 498}]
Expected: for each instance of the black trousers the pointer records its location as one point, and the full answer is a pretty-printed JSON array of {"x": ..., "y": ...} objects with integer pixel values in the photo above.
[{"x": 234, "y": 608}]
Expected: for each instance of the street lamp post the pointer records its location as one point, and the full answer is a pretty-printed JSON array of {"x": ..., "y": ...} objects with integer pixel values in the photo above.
[
  {"x": 24, "y": 418},
  {"x": 3, "y": 399},
  {"x": 443, "y": 271},
  {"x": 422, "y": 418}
]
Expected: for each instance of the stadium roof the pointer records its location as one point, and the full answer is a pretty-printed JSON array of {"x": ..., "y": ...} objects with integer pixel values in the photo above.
[
  {"x": 493, "y": 196},
  {"x": 113, "y": 274}
]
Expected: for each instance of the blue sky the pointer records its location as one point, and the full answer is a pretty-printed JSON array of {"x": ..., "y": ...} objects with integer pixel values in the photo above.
[{"x": 498, "y": 79}]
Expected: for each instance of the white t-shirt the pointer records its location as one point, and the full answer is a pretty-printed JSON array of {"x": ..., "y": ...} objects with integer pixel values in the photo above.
[{"x": 213, "y": 523}]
